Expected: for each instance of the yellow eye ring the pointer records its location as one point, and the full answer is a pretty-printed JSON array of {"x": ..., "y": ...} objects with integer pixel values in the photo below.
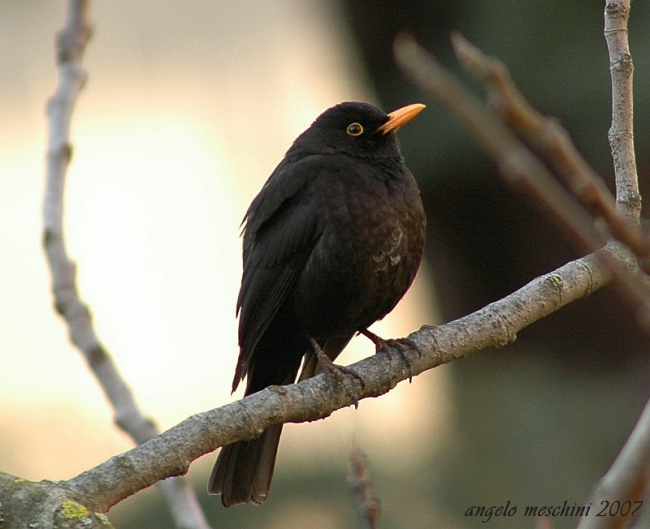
[{"x": 355, "y": 129}]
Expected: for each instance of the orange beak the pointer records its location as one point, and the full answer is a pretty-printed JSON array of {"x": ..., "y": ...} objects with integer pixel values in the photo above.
[{"x": 399, "y": 117}]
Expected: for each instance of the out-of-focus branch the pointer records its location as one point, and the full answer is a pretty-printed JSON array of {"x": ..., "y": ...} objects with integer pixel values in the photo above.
[
  {"x": 626, "y": 479},
  {"x": 515, "y": 161},
  {"x": 543, "y": 522},
  {"x": 621, "y": 133},
  {"x": 361, "y": 485},
  {"x": 518, "y": 165},
  {"x": 553, "y": 143},
  {"x": 70, "y": 46}
]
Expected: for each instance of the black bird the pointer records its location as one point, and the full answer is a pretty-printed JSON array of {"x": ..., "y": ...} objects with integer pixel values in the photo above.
[{"x": 330, "y": 245}]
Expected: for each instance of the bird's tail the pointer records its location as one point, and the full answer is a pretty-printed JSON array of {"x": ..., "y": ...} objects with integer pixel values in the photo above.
[{"x": 244, "y": 469}]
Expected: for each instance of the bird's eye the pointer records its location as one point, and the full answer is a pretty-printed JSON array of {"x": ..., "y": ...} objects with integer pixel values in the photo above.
[{"x": 355, "y": 129}]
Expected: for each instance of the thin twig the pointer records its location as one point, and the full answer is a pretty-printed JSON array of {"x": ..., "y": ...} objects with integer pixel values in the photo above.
[
  {"x": 361, "y": 485},
  {"x": 551, "y": 140},
  {"x": 71, "y": 43},
  {"x": 621, "y": 133},
  {"x": 627, "y": 478},
  {"x": 518, "y": 165},
  {"x": 514, "y": 160}
]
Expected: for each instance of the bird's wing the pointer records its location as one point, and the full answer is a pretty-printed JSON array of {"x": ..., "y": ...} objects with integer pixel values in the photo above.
[{"x": 281, "y": 229}]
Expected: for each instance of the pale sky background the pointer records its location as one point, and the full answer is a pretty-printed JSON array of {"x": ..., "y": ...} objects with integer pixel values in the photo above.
[{"x": 188, "y": 108}]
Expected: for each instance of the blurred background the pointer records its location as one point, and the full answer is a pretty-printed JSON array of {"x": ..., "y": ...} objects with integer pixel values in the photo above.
[{"x": 188, "y": 108}]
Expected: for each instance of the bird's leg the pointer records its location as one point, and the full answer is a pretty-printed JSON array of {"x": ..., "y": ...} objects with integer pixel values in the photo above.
[
  {"x": 332, "y": 369},
  {"x": 401, "y": 344}
]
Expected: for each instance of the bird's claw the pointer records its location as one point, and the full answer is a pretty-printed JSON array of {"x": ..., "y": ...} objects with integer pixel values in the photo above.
[
  {"x": 403, "y": 345},
  {"x": 338, "y": 372}
]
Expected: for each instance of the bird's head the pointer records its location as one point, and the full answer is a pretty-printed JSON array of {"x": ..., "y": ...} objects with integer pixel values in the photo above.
[{"x": 355, "y": 128}]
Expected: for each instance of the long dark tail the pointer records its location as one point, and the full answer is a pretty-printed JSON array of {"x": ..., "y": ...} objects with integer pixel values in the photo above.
[{"x": 244, "y": 469}]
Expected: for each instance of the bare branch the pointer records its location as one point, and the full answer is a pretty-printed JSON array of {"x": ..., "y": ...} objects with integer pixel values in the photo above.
[
  {"x": 554, "y": 144},
  {"x": 518, "y": 165},
  {"x": 621, "y": 133},
  {"x": 515, "y": 162},
  {"x": 361, "y": 485},
  {"x": 625, "y": 480},
  {"x": 495, "y": 325},
  {"x": 71, "y": 43},
  {"x": 44, "y": 505}
]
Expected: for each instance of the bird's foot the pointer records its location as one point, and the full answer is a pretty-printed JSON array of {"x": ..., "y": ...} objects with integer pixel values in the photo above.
[
  {"x": 403, "y": 345},
  {"x": 337, "y": 371}
]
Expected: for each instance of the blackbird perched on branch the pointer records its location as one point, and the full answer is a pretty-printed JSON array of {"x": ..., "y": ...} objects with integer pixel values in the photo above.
[{"x": 331, "y": 244}]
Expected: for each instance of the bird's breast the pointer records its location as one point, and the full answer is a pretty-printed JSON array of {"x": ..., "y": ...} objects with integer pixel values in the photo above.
[
  {"x": 367, "y": 256},
  {"x": 389, "y": 254}
]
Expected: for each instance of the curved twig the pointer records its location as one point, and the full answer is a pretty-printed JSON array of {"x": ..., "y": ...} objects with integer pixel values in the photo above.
[{"x": 71, "y": 43}]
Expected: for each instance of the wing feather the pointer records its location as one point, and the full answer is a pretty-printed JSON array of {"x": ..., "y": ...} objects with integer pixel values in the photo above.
[{"x": 281, "y": 228}]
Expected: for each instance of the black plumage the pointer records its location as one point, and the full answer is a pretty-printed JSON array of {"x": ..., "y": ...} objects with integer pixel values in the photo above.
[{"x": 330, "y": 245}]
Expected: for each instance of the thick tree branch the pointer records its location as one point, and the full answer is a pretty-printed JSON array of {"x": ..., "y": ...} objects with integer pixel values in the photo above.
[
  {"x": 496, "y": 325},
  {"x": 71, "y": 43}
]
